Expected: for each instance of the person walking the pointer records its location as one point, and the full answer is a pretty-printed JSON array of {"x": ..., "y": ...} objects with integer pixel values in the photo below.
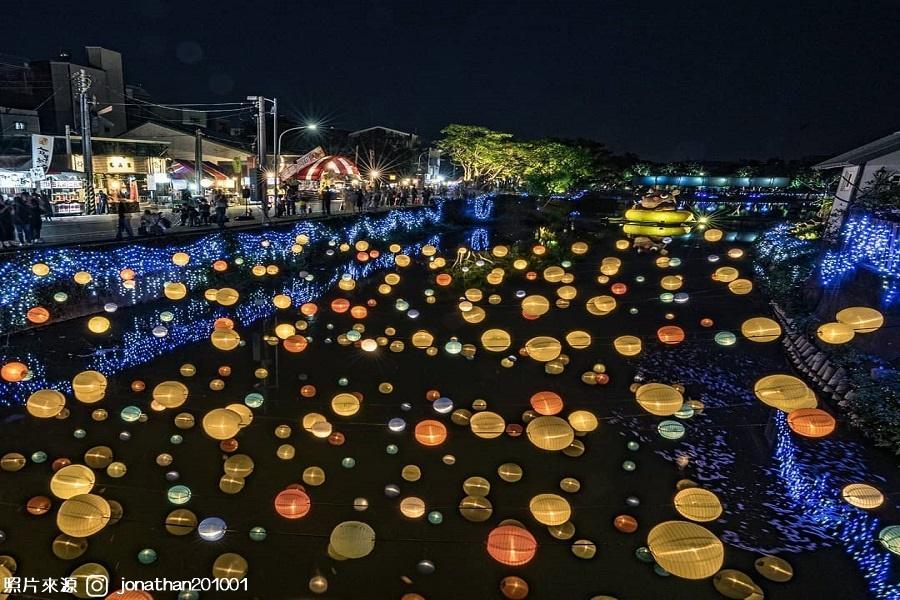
[
  {"x": 359, "y": 199},
  {"x": 124, "y": 221},
  {"x": 204, "y": 212},
  {"x": 36, "y": 221},
  {"x": 102, "y": 203},
  {"x": 46, "y": 207},
  {"x": 22, "y": 220},
  {"x": 7, "y": 230},
  {"x": 221, "y": 208},
  {"x": 292, "y": 203}
]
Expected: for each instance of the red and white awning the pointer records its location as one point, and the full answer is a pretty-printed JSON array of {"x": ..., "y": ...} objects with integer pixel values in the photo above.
[{"x": 340, "y": 166}]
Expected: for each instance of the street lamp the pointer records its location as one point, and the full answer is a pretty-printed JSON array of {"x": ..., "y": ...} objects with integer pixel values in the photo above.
[{"x": 308, "y": 127}]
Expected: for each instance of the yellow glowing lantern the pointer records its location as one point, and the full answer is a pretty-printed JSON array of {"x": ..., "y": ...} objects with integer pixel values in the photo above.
[
  {"x": 698, "y": 504},
  {"x": 578, "y": 339},
  {"x": 862, "y": 495},
  {"x": 543, "y": 348},
  {"x": 476, "y": 509},
  {"x": 281, "y": 301},
  {"x": 487, "y": 425},
  {"x": 227, "y": 296},
  {"x": 627, "y": 345},
  {"x": 712, "y": 235},
  {"x": 579, "y": 248},
  {"x": 475, "y": 315},
  {"x": 40, "y": 269},
  {"x": 422, "y": 339},
  {"x": 83, "y": 515},
  {"x": 583, "y": 421},
  {"x": 285, "y": 330},
  {"x": 554, "y": 274},
  {"x": 622, "y": 244},
  {"x": 345, "y": 405},
  {"x": 412, "y": 507},
  {"x": 601, "y": 305},
  {"x": 567, "y": 292},
  {"x": 170, "y": 394},
  {"x": 495, "y": 340},
  {"x": 89, "y": 386},
  {"x": 45, "y": 404},
  {"x": 72, "y": 480},
  {"x": 82, "y": 277},
  {"x": 230, "y": 567},
  {"x": 835, "y": 333},
  {"x": 686, "y": 549},
  {"x": 98, "y": 324},
  {"x": 221, "y": 423},
  {"x": 520, "y": 264},
  {"x": 550, "y": 509},
  {"x": 671, "y": 282},
  {"x": 314, "y": 476},
  {"x": 761, "y": 329},
  {"x": 784, "y": 392},
  {"x": 550, "y": 433},
  {"x": 225, "y": 339},
  {"x": 659, "y": 399},
  {"x": 861, "y": 319},
  {"x": 725, "y": 274}
]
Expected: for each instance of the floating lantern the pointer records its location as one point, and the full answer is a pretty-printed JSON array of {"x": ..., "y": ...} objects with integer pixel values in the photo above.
[
  {"x": 83, "y": 515},
  {"x": 221, "y": 423},
  {"x": 784, "y": 392},
  {"x": 487, "y": 425},
  {"x": 352, "y": 539},
  {"x": 659, "y": 399},
  {"x": 627, "y": 345},
  {"x": 862, "y": 495},
  {"x": 761, "y": 329},
  {"x": 550, "y": 433},
  {"x": 670, "y": 334},
  {"x": 686, "y": 549},
  {"x": 550, "y": 509},
  {"x": 835, "y": 333},
  {"x": 861, "y": 319},
  {"x": 811, "y": 422},
  {"x": 45, "y": 404},
  {"x": 292, "y": 504},
  {"x": 89, "y": 386},
  {"x": 431, "y": 433},
  {"x": 510, "y": 545},
  {"x": 698, "y": 504}
]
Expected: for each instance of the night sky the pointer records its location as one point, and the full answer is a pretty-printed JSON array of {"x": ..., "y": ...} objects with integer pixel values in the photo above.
[{"x": 667, "y": 80}]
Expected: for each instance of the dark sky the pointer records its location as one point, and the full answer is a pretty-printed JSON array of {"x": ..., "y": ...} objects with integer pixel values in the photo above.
[{"x": 668, "y": 80}]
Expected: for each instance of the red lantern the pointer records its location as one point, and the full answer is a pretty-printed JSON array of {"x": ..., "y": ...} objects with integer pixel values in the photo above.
[
  {"x": 292, "y": 504},
  {"x": 228, "y": 446},
  {"x": 362, "y": 256},
  {"x": 511, "y": 545},
  {"x": 531, "y": 275},
  {"x": 308, "y": 391},
  {"x": 295, "y": 343},
  {"x": 59, "y": 463},
  {"x": 625, "y": 523},
  {"x": 601, "y": 378},
  {"x": 308, "y": 309},
  {"x": 443, "y": 279},
  {"x": 38, "y": 315},
  {"x": 514, "y": 430},
  {"x": 706, "y": 322},
  {"x": 39, "y": 505},
  {"x": 138, "y": 386},
  {"x": 223, "y": 323},
  {"x": 432, "y": 395},
  {"x": 547, "y": 403},
  {"x": 336, "y": 439},
  {"x": 340, "y": 305},
  {"x": 224, "y": 371},
  {"x": 431, "y": 433},
  {"x": 670, "y": 334},
  {"x": 618, "y": 288}
]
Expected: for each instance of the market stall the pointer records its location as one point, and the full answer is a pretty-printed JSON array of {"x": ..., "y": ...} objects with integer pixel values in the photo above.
[{"x": 334, "y": 170}]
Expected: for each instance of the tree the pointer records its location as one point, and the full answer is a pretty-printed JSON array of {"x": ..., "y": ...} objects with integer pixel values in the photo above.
[
  {"x": 477, "y": 150},
  {"x": 881, "y": 193}
]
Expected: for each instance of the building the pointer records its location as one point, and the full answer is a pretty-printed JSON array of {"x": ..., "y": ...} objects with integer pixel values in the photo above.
[
  {"x": 858, "y": 168},
  {"x": 18, "y": 121},
  {"x": 47, "y": 86},
  {"x": 386, "y": 152}
]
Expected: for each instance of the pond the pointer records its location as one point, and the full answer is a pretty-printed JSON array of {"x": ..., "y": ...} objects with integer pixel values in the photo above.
[{"x": 436, "y": 404}]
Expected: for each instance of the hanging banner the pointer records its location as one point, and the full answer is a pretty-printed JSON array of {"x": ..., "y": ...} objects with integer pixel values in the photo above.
[
  {"x": 307, "y": 159},
  {"x": 41, "y": 155}
]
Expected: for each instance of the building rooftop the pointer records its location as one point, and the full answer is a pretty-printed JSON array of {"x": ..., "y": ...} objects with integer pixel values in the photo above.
[{"x": 880, "y": 147}]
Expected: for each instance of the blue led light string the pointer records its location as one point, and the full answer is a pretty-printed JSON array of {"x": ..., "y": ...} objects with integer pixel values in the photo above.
[{"x": 867, "y": 241}]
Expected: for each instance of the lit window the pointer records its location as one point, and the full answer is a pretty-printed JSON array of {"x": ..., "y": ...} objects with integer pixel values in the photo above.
[{"x": 19, "y": 125}]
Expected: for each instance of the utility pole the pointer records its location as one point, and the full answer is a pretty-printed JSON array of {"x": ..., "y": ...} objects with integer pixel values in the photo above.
[
  {"x": 69, "y": 147},
  {"x": 82, "y": 82},
  {"x": 261, "y": 154},
  {"x": 275, "y": 141},
  {"x": 198, "y": 160}
]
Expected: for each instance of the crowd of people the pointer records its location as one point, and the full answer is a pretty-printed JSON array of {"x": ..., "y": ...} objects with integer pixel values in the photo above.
[{"x": 22, "y": 218}]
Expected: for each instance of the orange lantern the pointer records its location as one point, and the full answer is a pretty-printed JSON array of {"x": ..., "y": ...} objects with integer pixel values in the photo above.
[
  {"x": 511, "y": 545},
  {"x": 359, "y": 312},
  {"x": 539, "y": 250},
  {"x": 670, "y": 334},
  {"x": 431, "y": 433},
  {"x": 126, "y": 274},
  {"x": 625, "y": 523},
  {"x": 220, "y": 265},
  {"x": 362, "y": 256},
  {"x": 811, "y": 422},
  {"x": 706, "y": 322},
  {"x": 340, "y": 305},
  {"x": 292, "y": 504},
  {"x": 308, "y": 309},
  {"x": 514, "y": 588},
  {"x": 374, "y": 253},
  {"x": 531, "y": 275},
  {"x": 38, "y": 505},
  {"x": 229, "y": 445},
  {"x": 443, "y": 279},
  {"x": 308, "y": 391},
  {"x": 432, "y": 395},
  {"x": 223, "y": 323},
  {"x": 138, "y": 386},
  {"x": 224, "y": 371},
  {"x": 295, "y": 343},
  {"x": 618, "y": 288},
  {"x": 13, "y": 371},
  {"x": 38, "y": 315},
  {"x": 547, "y": 403}
]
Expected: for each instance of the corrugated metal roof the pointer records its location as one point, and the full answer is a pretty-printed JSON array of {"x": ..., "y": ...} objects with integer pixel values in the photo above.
[{"x": 865, "y": 153}]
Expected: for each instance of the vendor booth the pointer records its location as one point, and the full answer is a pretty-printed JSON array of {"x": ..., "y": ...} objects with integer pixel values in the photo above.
[{"x": 337, "y": 171}]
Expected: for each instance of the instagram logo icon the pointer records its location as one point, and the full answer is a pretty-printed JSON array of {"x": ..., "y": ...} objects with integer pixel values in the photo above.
[{"x": 96, "y": 586}]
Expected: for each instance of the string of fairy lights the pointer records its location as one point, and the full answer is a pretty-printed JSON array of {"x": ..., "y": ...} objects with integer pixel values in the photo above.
[{"x": 866, "y": 241}]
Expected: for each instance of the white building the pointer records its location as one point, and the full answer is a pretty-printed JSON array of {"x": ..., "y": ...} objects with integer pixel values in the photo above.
[{"x": 858, "y": 169}]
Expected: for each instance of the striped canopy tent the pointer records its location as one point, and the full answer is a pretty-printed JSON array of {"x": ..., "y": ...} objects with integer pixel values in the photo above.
[
  {"x": 338, "y": 165},
  {"x": 185, "y": 169}
]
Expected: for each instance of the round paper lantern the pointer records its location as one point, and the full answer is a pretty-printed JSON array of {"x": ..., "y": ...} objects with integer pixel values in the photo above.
[
  {"x": 94, "y": 573},
  {"x": 732, "y": 583},
  {"x": 476, "y": 509},
  {"x": 225, "y": 339},
  {"x": 38, "y": 315},
  {"x": 487, "y": 424},
  {"x": 98, "y": 324},
  {"x": 221, "y": 423},
  {"x": 514, "y": 588},
  {"x": 281, "y": 301},
  {"x": 295, "y": 343},
  {"x": 181, "y": 521},
  {"x": 784, "y": 392},
  {"x": 174, "y": 290},
  {"x": 543, "y": 348},
  {"x": 292, "y": 503},
  {"x": 889, "y": 537},
  {"x": 352, "y": 539},
  {"x": 12, "y": 462},
  {"x": 835, "y": 333},
  {"x": 284, "y": 331},
  {"x": 659, "y": 399},
  {"x": 862, "y": 495},
  {"x": 740, "y": 287},
  {"x": 422, "y": 339},
  {"x": 170, "y": 394},
  {"x": 412, "y": 507},
  {"x": 686, "y": 549},
  {"x": 546, "y": 403},
  {"x": 774, "y": 568},
  {"x": 510, "y": 545},
  {"x": 725, "y": 274},
  {"x": 671, "y": 282},
  {"x": 212, "y": 529},
  {"x": 431, "y": 433},
  {"x": 227, "y": 296},
  {"x": 550, "y": 433},
  {"x": 550, "y": 509},
  {"x": 712, "y": 235},
  {"x": 625, "y": 523},
  {"x": 82, "y": 278},
  {"x": 71, "y": 481},
  {"x": 345, "y": 405},
  {"x": 761, "y": 329},
  {"x": 98, "y": 457},
  {"x": 861, "y": 319},
  {"x": 579, "y": 340},
  {"x": 66, "y": 547},
  {"x": 89, "y": 386},
  {"x": 83, "y": 515},
  {"x": 583, "y": 421},
  {"x": 725, "y": 338},
  {"x": 670, "y": 334},
  {"x": 618, "y": 288},
  {"x": 601, "y": 305},
  {"x": 535, "y": 306},
  {"x": 698, "y": 504},
  {"x": 495, "y": 340},
  {"x": 811, "y": 422},
  {"x": 230, "y": 566},
  {"x": 314, "y": 476},
  {"x": 14, "y": 371},
  {"x": 45, "y": 404},
  {"x": 627, "y": 345}
]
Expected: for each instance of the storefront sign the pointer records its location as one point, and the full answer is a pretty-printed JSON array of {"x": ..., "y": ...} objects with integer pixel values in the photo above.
[
  {"x": 120, "y": 164},
  {"x": 41, "y": 154},
  {"x": 66, "y": 184},
  {"x": 310, "y": 157},
  {"x": 236, "y": 165}
]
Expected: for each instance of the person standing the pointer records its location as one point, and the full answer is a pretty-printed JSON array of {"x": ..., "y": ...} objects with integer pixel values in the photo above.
[
  {"x": 292, "y": 203},
  {"x": 22, "y": 220},
  {"x": 221, "y": 208},
  {"x": 124, "y": 221},
  {"x": 359, "y": 199},
  {"x": 326, "y": 201},
  {"x": 102, "y": 203},
  {"x": 204, "y": 212},
  {"x": 46, "y": 207},
  {"x": 36, "y": 221},
  {"x": 7, "y": 230}
]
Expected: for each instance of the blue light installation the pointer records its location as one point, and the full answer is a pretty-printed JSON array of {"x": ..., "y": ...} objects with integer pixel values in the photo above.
[{"x": 867, "y": 241}]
